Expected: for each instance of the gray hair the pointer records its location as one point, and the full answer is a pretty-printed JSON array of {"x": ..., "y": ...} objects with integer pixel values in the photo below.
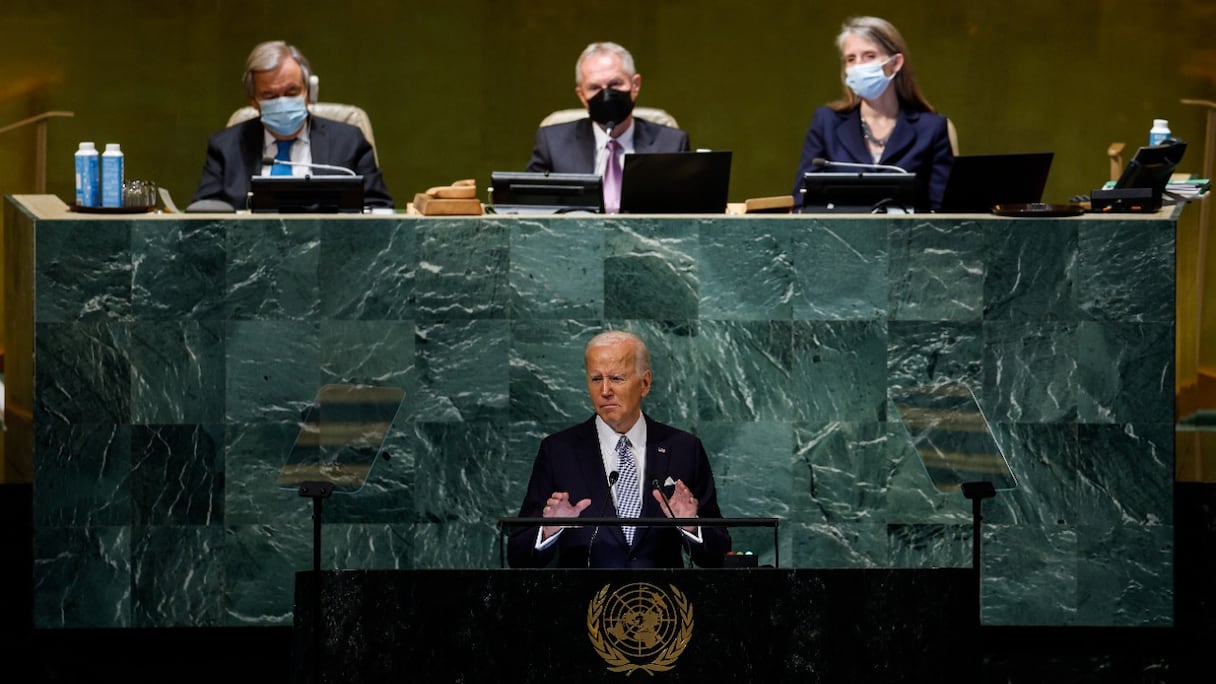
[
  {"x": 641, "y": 355},
  {"x": 268, "y": 56},
  {"x": 598, "y": 48}
]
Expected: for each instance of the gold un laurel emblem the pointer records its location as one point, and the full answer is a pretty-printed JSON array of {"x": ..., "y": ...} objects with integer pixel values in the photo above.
[{"x": 639, "y": 627}]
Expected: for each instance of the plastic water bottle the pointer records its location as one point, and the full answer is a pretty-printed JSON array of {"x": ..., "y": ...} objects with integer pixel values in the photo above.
[
  {"x": 1159, "y": 133},
  {"x": 111, "y": 176},
  {"x": 86, "y": 176}
]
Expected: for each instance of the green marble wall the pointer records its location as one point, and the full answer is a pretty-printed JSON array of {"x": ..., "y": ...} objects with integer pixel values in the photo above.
[{"x": 174, "y": 359}]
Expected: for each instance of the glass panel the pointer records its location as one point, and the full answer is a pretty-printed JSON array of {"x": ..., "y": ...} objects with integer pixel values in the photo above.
[
  {"x": 952, "y": 436},
  {"x": 341, "y": 436}
]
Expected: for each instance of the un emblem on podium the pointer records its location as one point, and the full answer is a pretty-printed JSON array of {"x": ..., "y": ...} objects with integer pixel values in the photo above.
[{"x": 639, "y": 627}]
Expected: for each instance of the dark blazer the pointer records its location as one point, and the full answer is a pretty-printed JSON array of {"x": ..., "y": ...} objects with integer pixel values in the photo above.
[
  {"x": 570, "y": 461},
  {"x": 235, "y": 153},
  {"x": 570, "y": 147},
  {"x": 919, "y": 143}
]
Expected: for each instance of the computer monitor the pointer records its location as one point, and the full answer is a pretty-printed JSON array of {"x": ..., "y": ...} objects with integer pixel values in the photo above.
[
  {"x": 307, "y": 194},
  {"x": 675, "y": 182},
  {"x": 546, "y": 193},
  {"x": 1152, "y": 166},
  {"x": 979, "y": 182},
  {"x": 858, "y": 193}
]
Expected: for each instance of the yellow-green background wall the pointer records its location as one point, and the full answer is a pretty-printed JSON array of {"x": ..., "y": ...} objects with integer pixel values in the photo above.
[{"x": 455, "y": 89}]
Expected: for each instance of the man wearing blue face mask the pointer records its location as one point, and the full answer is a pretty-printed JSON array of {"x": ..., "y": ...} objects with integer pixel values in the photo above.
[
  {"x": 276, "y": 81},
  {"x": 883, "y": 117},
  {"x": 607, "y": 84}
]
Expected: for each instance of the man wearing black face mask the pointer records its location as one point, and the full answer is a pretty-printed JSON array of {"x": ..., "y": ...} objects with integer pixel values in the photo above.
[{"x": 607, "y": 84}]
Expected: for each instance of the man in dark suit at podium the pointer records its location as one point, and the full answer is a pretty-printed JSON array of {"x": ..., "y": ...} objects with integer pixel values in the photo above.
[
  {"x": 607, "y": 84},
  {"x": 276, "y": 81},
  {"x": 619, "y": 463}
]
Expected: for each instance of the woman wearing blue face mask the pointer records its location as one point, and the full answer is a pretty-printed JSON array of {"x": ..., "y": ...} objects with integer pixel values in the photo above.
[{"x": 883, "y": 118}]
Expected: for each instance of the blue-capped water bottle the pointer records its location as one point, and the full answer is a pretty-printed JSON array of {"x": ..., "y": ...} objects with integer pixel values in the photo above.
[
  {"x": 111, "y": 176},
  {"x": 1159, "y": 133},
  {"x": 87, "y": 189}
]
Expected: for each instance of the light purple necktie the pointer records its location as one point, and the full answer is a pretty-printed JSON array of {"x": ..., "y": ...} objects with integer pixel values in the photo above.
[{"x": 612, "y": 178}]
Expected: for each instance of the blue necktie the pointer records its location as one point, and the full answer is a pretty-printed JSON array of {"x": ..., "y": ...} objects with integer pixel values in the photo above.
[
  {"x": 628, "y": 493},
  {"x": 283, "y": 155}
]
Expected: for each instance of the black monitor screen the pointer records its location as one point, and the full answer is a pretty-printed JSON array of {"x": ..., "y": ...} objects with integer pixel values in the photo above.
[
  {"x": 545, "y": 193},
  {"x": 307, "y": 194},
  {"x": 1152, "y": 166},
  {"x": 857, "y": 193}
]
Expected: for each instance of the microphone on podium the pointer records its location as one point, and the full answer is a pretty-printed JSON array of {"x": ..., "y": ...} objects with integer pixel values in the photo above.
[
  {"x": 612, "y": 478},
  {"x": 679, "y": 532},
  {"x": 271, "y": 161},
  {"x": 820, "y": 163}
]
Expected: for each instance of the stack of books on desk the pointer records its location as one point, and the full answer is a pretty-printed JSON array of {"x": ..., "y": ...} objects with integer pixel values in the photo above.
[{"x": 1189, "y": 187}]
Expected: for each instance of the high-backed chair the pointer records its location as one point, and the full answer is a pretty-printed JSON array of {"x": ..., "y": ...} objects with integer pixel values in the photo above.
[
  {"x": 651, "y": 114},
  {"x": 345, "y": 113},
  {"x": 952, "y": 133}
]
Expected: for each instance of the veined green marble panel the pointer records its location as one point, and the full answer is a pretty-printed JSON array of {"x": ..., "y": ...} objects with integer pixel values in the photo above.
[
  {"x": 557, "y": 269},
  {"x": 366, "y": 270},
  {"x": 82, "y": 475},
  {"x": 841, "y": 271},
  {"x": 748, "y": 370},
  {"x": 181, "y": 273},
  {"x": 936, "y": 270},
  {"x": 177, "y": 371},
  {"x": 273, "y": 370},
  {"x": 547, "y": 379},
  {"x": 272, "y": 270},
  {"x": 177, "y": 475},
  {"x": 175, "y": 359},
  {"x": 177, "y": 579},
  {"x": 82, "y": 576},
  {"x": 839, "y": 370},
  {"x": 83, "y": 372},
  {"x": 650, "y": 269},
  {"x": 82, "y": 271},
  {"x": 463, "y": 370},
  {"x": 747, "y": 271},
  {"x": 463, "y": 269}
]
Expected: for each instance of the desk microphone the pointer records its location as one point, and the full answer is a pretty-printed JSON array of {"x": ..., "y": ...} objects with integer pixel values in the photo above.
[
  {"x": 679, "y": 531},
  {"x": 271, "y": 161},
  {"x": 820, "y": 162},
  {"x": 612, "y": 478}
]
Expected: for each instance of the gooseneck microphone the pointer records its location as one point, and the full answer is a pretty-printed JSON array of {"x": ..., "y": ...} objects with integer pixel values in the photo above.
[
  {"x": 679, "y": 531},
  {"x": 820, "y": 163},
  {"x": 271, "y": 161},
  {"x": 612, "y": 478}
]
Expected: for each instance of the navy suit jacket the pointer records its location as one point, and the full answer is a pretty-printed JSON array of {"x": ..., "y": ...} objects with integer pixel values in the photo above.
[
  {"x": 570, "y": 461},
  {"x": 919, "y": 143},
  {"x": 570, "y": 147},
  {"x": 235, "y": 153}
]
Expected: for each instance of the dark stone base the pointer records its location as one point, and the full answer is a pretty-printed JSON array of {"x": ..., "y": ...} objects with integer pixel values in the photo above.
[{"x": 265, "y": 655}]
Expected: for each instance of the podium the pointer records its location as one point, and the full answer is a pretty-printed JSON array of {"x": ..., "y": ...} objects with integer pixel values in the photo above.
[{"x": 745, "y": 625}]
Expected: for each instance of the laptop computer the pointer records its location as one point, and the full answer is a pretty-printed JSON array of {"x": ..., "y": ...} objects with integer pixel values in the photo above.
[
  {"x": 675, "y": 182},
  {"x": 978, "y": 182}
]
